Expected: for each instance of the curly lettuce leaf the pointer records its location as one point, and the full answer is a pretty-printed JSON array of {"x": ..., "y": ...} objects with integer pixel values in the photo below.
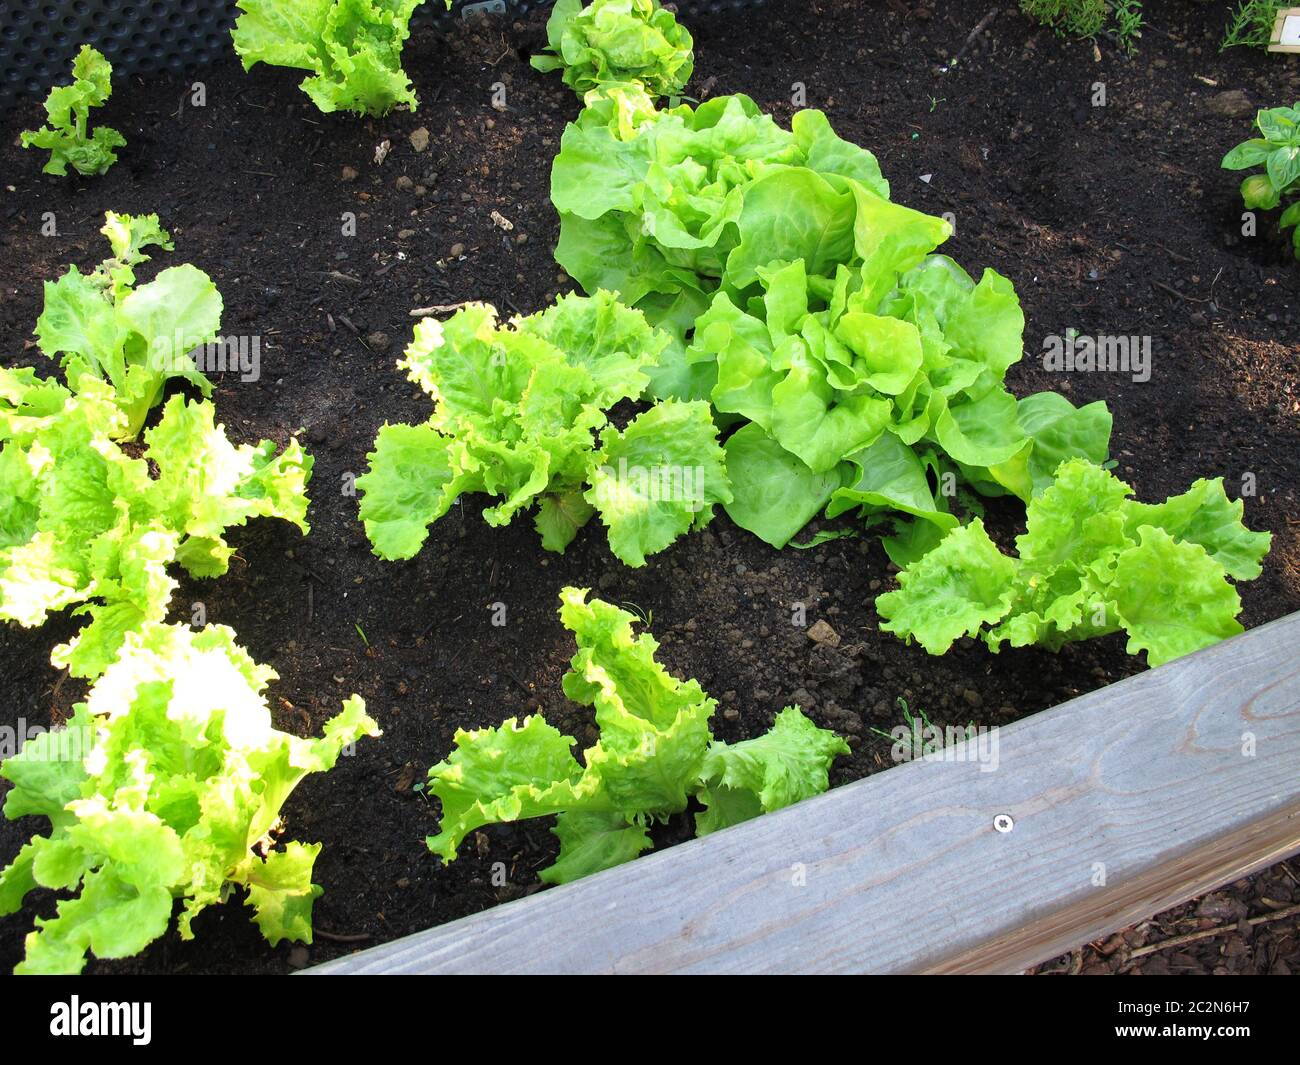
[
  {"x": 165, "y": 785},
  {"x": 658, "y": 478},
  {"x": 655, "y": 751},
  {"x": 353, "y": 48},
  {"x": 1091, "y": 561},
  {"x": 785, "y": 765},
  {"x": 95, "y": 528},
  {"x": 517, "y": 410}
]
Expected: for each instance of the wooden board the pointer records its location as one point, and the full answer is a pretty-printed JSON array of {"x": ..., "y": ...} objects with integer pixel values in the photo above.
[
  {"x": 1284, "y": 26},
  {"x": 1124, "y": 801}
]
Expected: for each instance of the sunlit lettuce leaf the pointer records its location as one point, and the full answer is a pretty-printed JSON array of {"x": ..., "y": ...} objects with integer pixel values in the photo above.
[
  {"x": 954, "y": 590},
  {"x": 658, "y": 478},
  {"x": 402, "y": 492},
  {"x": 100, "y": 326},
  {"x": 164, "y": 785},
  {"x": 517, "y": 413},
  {"x": 1172, "y": 597},
  {"x": 97, "y": 528},
  {"x": 1091, "y": 561}
]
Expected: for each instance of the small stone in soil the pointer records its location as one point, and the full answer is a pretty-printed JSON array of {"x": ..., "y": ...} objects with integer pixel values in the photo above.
[{"x": 822, "y": 633}]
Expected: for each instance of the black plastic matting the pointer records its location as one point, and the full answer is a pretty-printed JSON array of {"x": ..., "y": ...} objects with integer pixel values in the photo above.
[{"x": 38, "y": 38}]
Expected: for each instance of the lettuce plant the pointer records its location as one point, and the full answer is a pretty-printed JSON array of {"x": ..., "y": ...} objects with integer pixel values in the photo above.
[
  {"x": 353, "y": 48},
  {"x": 65, "y": 135},
  {"x": 655, "y": 753},
  {"x": 661, "y": 206},
  {"x": 1277, "y": 150},
  {"x": 90, "y": 524},
  {"x": 1091, "y": 561},
  {"x": 517, "y": 410},
  {"x": 805, "y": 305},
  {"x": 100, "y": 326},
  {"x": 166, "y": 783},
  {"x": 618, "y": 41}
]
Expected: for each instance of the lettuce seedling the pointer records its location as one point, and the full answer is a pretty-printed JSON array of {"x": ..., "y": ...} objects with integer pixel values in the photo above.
[
  {"x": 91, "y": 525},
  {"x": 352, "y": 47},
  {"x": 100, "y": 326},
  {"x": 517, "y": 410},
  {"x": 65, "y": 136},
  {"x": 654, "y": 754},
  {"x": 618, "y": 41},
  {"x": 1091, "y": 561},
  {"x": 1278, "y": 151},
  {"x": 166, "y": 783}
]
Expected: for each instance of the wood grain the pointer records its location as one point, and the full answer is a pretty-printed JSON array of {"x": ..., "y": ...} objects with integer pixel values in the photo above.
[{"x": 1124, "y": 801}]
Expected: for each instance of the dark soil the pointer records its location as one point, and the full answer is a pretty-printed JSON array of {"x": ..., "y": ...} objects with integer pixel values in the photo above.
[{"x": 1110, "y": 220}]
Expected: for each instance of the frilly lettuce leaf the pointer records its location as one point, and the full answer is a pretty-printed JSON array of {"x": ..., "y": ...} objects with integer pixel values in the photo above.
[
  {"x": 658, "y": 478},
  {"x": 517, "y": 413},
  {"x": 655, "y": 751},
  {"x": 165, "y": 784},
  {"x": 352, "y": 47},
  {"x": 618, "y": 41},
  {"x": 783, "y": 766},
  {"x": 94, "y": 527},
  {"x": 99, "y": 326},
  {"x": 1091, "y": 561}
]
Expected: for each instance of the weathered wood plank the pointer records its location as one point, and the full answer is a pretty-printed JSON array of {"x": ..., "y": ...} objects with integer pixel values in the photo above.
[{"x": 1124, "y": 801}]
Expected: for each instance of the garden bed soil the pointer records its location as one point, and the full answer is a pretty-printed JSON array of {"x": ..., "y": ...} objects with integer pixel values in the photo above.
[{"x": 1110, "y": 220}]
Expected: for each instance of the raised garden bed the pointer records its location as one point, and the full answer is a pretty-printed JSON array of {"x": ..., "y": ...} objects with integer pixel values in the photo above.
[{"x": 1110, "y": 220}]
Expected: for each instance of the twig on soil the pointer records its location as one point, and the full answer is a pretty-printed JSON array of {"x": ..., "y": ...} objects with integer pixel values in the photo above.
[
  {"x": 336, "y": 937},
  {"x": 1174, "y": 292},
  {"x": 339, "y": 275},
  {"x": 1173, "y": 254},
  {"x": 1210, "y": 933},
  {"x": 980, "y": 27},
  {"x": 435, "y": 308}
]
